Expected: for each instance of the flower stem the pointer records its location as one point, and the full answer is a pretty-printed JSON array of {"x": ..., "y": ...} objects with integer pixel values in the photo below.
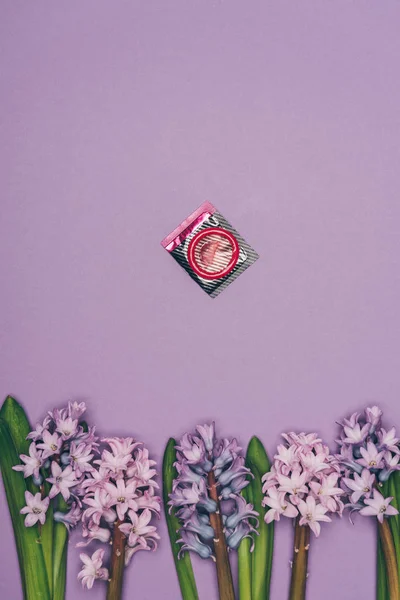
[
  {"x": 390, "y": 559},
  {"x": 300, "y": 561},
  {"x": 224, "y": 573},
  {"x": 117, "y": 564}
]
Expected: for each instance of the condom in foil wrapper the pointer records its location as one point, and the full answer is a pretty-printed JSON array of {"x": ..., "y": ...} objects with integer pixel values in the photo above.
[{"x": 210, "y": 250}]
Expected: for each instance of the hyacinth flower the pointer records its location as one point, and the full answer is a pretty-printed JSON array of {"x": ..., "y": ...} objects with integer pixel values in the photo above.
[
  {"x": 52, "y": 481},
  {"x": 369, "y": 458},
  {"x": 303, "y": 485},
  {"x": 106, "y": 486},
  {"x": 214, "y": 517},
  {"x": 119, "y": 501},
  {"x": 58, "y": 459}
]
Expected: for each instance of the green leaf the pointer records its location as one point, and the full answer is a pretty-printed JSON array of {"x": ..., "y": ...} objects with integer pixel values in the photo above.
[
  {"x": 19, "y": 426},
  {"x": 29, "y": 549},
  {"x": 184, "y": 565},
  {"x": 258, "y": 462},
  {"x": 60, "y": 545},
  {"x": 393, "y": 488},
  {"x": 245, "y": 558},
  {"x": 394, "y": 521},
  {"x": 47, "y": 539},
  {"x": 382, "y": 592}
]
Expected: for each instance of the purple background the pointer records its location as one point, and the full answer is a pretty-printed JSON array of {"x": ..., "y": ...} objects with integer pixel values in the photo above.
[{"x": 117, "y": 121}]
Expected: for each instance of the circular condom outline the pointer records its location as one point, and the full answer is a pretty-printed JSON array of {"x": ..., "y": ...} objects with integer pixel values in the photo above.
[{"x": 204, "y": 233}]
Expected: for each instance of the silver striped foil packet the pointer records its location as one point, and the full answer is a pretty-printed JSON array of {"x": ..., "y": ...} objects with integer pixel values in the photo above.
[{"x": 210, "y": 250}]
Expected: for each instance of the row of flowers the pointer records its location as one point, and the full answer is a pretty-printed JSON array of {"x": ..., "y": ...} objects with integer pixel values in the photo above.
[{"x": 107, "y": 487}]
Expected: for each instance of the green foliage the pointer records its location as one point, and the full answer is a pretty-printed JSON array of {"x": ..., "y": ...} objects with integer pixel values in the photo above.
[
  {"x": 27, "y": 539},
  {"x": 260, "y": 561},
  {"x": 183, "y": 565}
]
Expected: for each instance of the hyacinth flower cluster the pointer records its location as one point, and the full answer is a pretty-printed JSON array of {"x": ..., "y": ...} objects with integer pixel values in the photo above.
[
  {"x": 106, "y": 486},
  {"x": 369, "y": 459},
  {"x": 368, "y": 455},
  {"x": 206, "y": 498},
  {"x": 119, "y": 501},
  {"x": 303, "y": 484},
  {"x": 59, "y": 460}
]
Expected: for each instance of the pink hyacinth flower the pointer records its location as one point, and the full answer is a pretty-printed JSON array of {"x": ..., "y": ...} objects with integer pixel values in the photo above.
[
  {"x": 312, "y": 513},
  {"x": 35, "y": 509},
  {"x": 139, "y": 531},
  {"x": 122, "y": 496},
  {"x": 92, "y": 568},
  {"x": 278, "y": 506},
  {"x": 33, "y": 462},
  {"x": 51, "y": 444},
  {"x": 371, "y": 458},
  {"x": 61, "y": 481},
  {"x": 378, "y": 506}
]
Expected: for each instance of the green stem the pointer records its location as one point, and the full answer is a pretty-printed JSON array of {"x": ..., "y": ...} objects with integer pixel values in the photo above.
[
  {"x": 224, "y": 573},
  {"x": 390, "y": 559},
  {"x": 60, "y": 552},
  {"x": 245, "y": 558},
  {"x": 300, "y": 562},
  {"x": 114, "y": 590}
]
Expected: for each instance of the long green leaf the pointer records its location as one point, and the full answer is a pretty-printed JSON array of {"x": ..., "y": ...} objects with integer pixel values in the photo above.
[
  {"x": 60, "y": 569},
  {"x": 394, "y": 490},
  {"x": 184, "y": 565},
  {"x": 19, "y": 426},
  {"x": 245, "y": 558},
  {"x": 60, "y": 545},
  {"x": 47, "y": 539},
  {"x": 30, "y": 555},
  {"x": 258, "y": 463},
  {"x": 394, "y": 519},
  {"x": 382, "y": 590}
]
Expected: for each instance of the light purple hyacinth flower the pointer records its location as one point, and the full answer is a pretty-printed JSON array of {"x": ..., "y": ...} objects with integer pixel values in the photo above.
[
  {"x": 200, "y": 455},
  {"x": 242, "y": 511},
  {"x": 369, "y": 454},
  {"x": 102, "y": 482},
  {"x": 378, "y": 506},
  {"x": 360, "y": 485},
  {"x": 70, "y": 518},
  {"x": 33, "y": 462},
  {"x": 196, "y": 524},
  {"x": 195, "y": 495},
  {"x": 241, "y": 531},
  {"x": 121, "y": 489},
  {"x": 303, "y": 482},
  {"x": 92, "y": 568},
  {"x": 35, "y": 509},
  {"x": 191, "y": 542},
  {"x": 139, "y": 531}
]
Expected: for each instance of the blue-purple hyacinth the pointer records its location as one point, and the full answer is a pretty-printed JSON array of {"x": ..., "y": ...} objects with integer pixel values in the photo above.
[{"x": 211, "y": 474}]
